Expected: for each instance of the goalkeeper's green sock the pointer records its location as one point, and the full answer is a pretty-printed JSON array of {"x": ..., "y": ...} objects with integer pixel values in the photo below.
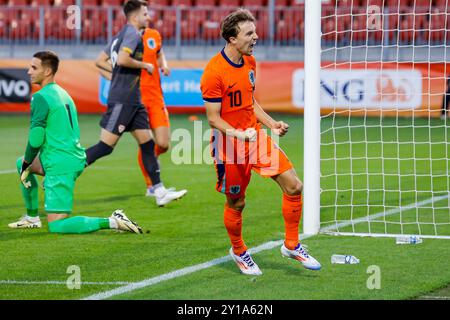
[
  {"x": 79, "y": 224},
  {"x": 30, "y": 195}
]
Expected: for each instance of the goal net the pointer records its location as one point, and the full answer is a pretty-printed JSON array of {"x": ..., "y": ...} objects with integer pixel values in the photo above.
[{"x": 384, "y": 157}]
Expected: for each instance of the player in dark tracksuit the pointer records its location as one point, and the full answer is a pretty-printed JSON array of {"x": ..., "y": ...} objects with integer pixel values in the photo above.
[{"x": 123, "y": 58}]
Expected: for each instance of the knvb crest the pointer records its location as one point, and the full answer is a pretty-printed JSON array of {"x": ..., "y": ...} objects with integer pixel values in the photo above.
[
  {"x": 151, "y": 43},
  {"x": 235, "y": 189},
  {"x": 251, "y": 77}
]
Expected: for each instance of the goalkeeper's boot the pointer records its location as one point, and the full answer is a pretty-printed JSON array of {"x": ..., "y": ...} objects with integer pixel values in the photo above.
[
  {"x": 26, "y": 222},
  {"x": 300, "y": 254},
  {"x": 125, "y": 224},
  {"x": 151, "y": 191},
  {"x": 245, "y": 263},
  {"x": 163, "y": 196}
]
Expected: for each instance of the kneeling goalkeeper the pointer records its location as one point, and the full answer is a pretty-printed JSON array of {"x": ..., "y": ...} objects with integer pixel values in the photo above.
[{"x": 55, "y": 136}]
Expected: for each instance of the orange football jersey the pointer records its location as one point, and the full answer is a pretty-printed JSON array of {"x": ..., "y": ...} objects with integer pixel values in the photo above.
[
  {"x": 151, "y": 83},
  {"x": 233, "y": 85}
]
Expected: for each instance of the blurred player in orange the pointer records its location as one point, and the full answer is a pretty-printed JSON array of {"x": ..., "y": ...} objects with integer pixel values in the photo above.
[
  {"x": 153, "y": 100},
  {"x": 228, "y": 85}
]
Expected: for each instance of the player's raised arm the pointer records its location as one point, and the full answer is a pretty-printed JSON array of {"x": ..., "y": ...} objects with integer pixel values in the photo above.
[{"x": 278, "y": 127}]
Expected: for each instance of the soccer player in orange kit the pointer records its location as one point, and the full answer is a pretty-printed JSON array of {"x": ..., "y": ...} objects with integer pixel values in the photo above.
[
  {"x": 153, "y": 100},
  {"x": 228, "y": 85}
]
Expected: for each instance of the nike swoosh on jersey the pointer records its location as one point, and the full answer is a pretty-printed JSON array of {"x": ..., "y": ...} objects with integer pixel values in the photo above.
[{"x": 229, "y": 87}]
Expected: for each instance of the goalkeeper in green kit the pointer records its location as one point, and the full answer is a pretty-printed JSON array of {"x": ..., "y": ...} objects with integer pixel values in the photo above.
[{"x": 54, "y": 150}]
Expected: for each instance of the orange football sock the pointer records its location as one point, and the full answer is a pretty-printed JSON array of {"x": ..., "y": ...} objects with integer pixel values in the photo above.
[
  {"x": 147, "y": 179},
  {"x": 233, "y": 222},
  {"x": 159, "y": 150},
  {"x": 292, "y": 213}
]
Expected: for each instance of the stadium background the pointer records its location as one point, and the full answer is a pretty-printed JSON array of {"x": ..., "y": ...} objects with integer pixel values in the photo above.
[
  {"x": 190, "y": 31},
  {"x": 191, "y": 37}
]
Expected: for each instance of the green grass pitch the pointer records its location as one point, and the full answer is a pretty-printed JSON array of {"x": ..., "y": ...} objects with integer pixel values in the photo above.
[{"x": 190, "y": 231}]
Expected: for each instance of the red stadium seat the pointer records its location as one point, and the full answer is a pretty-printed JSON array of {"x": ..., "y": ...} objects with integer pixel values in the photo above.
[
  {"x": 297, "y": 3},
  {"x": 112, "y": 3},
  {"x": 440, "y": 3},
  {"x": 210, "y": 30},
  {"x": 399, "y": 3},
  {"x": 262, "y": 25},
  {"x": 437, "y": 26},
  {"x": 197, "y": 15},
  {"x": 205, "y": 3},
  {"x": 405, "y": 31},
  {"x": 229, "y": 3},
  {"x": 92, "y": 30},
  {"x": 447, "y": 31},
  {"x": 182, "y": 3},
  {"x": 158, "y": 3},
  {"x": 59, "y": 3},
  {"x": 250, "y": 3},
  {"x": 421, "y": 24},
  {"x": 329, "y": 28},
  {"x": 19, "y": 29},
  {"x": 12, "y": 3},
  {"x": 10, "y": 14},
  {"x": 90, "y": 3},
  {"x": 367, "y": 3},
  {"x": 284, "y": 31},
  {"x": 421, "y": 3},
  {"x": 166, "y": 28},
  {"x": 190, "y": 29},
  {"x": 281, "y": 3},
  {"x": 345, "y": 3},
  {"x": 35, "y": 3},
  {"x": 359, "y": 27},
  {"x": 211, "y": 26},
  {"x": 392, "y": 25}
]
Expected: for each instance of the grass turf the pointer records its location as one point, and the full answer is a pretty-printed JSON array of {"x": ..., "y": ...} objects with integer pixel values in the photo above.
[{"x": 190, "y": 231}]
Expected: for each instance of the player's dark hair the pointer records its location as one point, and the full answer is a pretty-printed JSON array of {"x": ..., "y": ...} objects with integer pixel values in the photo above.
[
  {"x": 133, "y": 5},
  {"x": 48, "y": 59},
  {"x": 230, "y": 25}
]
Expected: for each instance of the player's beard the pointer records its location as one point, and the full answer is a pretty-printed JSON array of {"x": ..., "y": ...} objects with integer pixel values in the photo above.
[{"x": 36, "y": 80}]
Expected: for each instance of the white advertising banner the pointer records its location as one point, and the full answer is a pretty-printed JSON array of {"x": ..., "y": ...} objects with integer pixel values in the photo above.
[{"x": 363, "y": 88}]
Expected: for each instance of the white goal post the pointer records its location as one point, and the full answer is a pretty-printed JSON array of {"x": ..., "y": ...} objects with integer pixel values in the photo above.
[{"x": 376, "y": 129}]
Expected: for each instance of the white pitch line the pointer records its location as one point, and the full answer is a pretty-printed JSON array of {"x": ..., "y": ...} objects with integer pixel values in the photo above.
[
  {"x": 434, "y": 298},
  {"x": 265, "y": 246},
  {"x": 18, "y": 282},
  {"x": 7, "y": 171}
]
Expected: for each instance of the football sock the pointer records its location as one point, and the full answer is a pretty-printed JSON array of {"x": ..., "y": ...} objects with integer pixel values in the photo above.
[
  {"x": 97, "y": 151},
  {"x": 292, "y": 212},
  {"x": 233, "y": 223},
  {"x": 79, "y": 224},
  {"x": 150, "y": 162},
  {"x": 30, "y": 195},
  {"x": 148, "y": 182},
  {"x": 159, "y": 151}
]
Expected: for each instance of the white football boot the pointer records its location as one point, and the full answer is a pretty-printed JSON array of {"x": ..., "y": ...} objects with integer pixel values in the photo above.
[
  {"x": 26, "y": 222},
  {"x": 151, "y": 191},
  {"x": 246, "y": 263},
  {"x": 163, "y": 196},
  {"x": 300, "y": 254},
  {"x": 125, "y": 224}
]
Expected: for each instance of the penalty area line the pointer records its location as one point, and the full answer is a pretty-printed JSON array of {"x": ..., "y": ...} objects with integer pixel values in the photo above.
[{"x": 265, "y": 246}]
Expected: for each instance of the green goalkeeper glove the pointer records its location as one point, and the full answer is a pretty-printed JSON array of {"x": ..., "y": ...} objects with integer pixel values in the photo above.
[{"x": 24, "y": 173}]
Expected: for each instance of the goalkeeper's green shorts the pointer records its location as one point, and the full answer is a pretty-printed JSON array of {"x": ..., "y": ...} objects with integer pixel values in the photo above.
[{"x": 59, "y": 192}]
